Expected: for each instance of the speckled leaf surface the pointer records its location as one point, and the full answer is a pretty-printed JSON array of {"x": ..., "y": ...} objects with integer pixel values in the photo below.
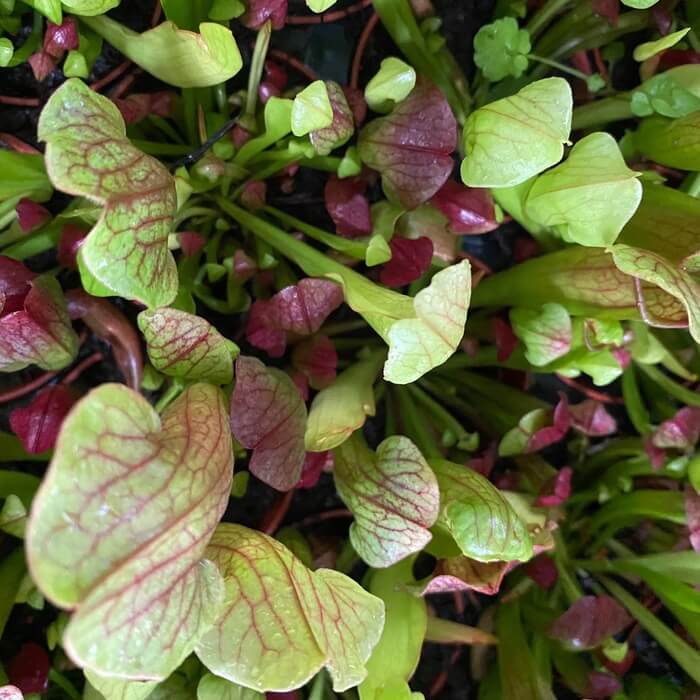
[
  {"x": 282, "y": 622},
  {"x": 88, "y": 154},
  {"x": 393, "y": 495},
  {"x": 119, "y": 527}
]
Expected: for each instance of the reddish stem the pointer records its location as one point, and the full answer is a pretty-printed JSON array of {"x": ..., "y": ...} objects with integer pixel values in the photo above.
[
  {"x": 332, "y": 16},
  {"x": 15, "y": 144},
  {"x": 157, "y": 12},
  {"x": 336, "y": 514},
  {"x": 309, "y": 73},
  {"x": 19, "y": 101},
  {"x": 112, "y": 75},
  {"x": 274, "y": 517},
  {"x": 600, "y": 64},
  {"x": 28, "y": 388},
  {"x": 80, "y": 368},
  {"x": 589, "y": 391},
  {"x": 440, "y": 681},
  {"x": 123, "y": 85},
  {"x": 360, "y": 50}
]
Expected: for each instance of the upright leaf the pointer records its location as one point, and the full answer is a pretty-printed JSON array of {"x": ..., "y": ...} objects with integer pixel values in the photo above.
[
  {"x": 393, "y": 496},
  {"x": 282, "y": 622},
  {"x": 510, "y": 140},
  {"x": 88, "y": 154},
  {"x": 119, "y": 527}
]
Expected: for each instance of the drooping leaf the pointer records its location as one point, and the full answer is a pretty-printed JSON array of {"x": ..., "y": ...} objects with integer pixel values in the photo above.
[
  {"x": 268, "y": 416},
  {"x": 391, "y": 84},
  {"x": 589, "y": 621},
  {"x": 88, "y": 154},
  {"x": 478, "y": 517},
  {"x": 411, "y": 147},
  {"x": 547, "y": 334},
  {"x": 510, "y": 140},
  {"x": 39, "y": 334},
  {"x": 465, "y": 574},
  {"x": 312, "y": 109},
  {"x": 651, "y": 48},
  {"x": 125, "y": 547},
  {"x": 320, "y": 5},
  {"x": 282, "y": 622},
  {"x": 186, "y": 346},
  {"x": 501, "y": 49},
  {"x": 178, "y": 57},
  {"x": 589, "y": 197},
  {"x": 469, "y": 210},
  {"x": 393, "y": 496},
  {"x": 341, "y": 128}
]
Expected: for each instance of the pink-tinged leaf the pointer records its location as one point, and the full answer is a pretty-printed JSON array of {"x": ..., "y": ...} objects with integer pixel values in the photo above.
[
  {"x": 393, "y": 496},
  {"x": 485, "y": 462},
  {"x": 276, "y": 74},
  {"x": 610, "y": 9},
  {"x": 28, "y": 670},
  {"x": 469, "y": 210},
  {"x": 41, "y": 334},
  {"x": 138, "y": 106},
  {"x": 357, "y": 102},
  {"x": 72, "y": 238},
  {"x": 410, "y": 259},
  {"x": 680, "y": 432},
  {"x": 31, "y": 215},
  {"x": 61, "y": 37},
  {"x": 506, "y": 340},
  {"x": 546, "y": 333},
  {"x": 543, "y": 571},
  {"x": 465, "y": 574},
  {"x": 429, "y": 222},
  {"x": 317, "y": 359},
  {"x": 551, "y": 434},
  {"x": 244, "y": 267},
  {"x": 10, "y": 692},
  {"x": 657, "y": 456},
  {"x": 341, "y": 129},
  {"x": 109, "y": 324},
  {"x": 191, "y": 242},
  {"x": 314, "y": 465},
  {"x": 601, "y": 685},
  {"x": 268, "y": 416},
  {"x": 186, "y": 346},
  {"x": 412, "y": 146},
  {"x": 37, "y": 424},
  {"x": 692, "y": 512},
  {"x": 591, "y": 418},
  {"x": 589, "y": 622},
  {"x": 282, "y": 622},
  {"x": 300, "y": 309},
  {"x": 254, "y": 194},
  {"x": 42, "y": 65},
  {"x": 15, "y": 280},
  {"x": 348, "y": 206},
  {"x": 556, "y": 490},
  {"x": 536, "y": 430},
  {"x": 259, "y": 11},
  {"x": 87, "y": 154},
  {"x": 120, "y": 524},
  {"x": 302, "y": 384}
]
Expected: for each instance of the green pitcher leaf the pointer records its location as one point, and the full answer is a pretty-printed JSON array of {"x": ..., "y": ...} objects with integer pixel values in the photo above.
[
  {"x": 186, "y": 346},
  {"x": 657, "y": 270},
  {"x": 510, "y": 140},
  {"x": 392, "y": 83},
  {"x": 671, "y": 142},
  {"x": 282, "y": 622},
  {"x": 342, "y": 408},
  {"x": 547, "y": 333},
  {"x": 88, "y": 154},
  {"x": 41, "y": 334},
  {"x": 119, "y": 526},
  {"x": 479, "y": 518},
  {"x": 175, "y": 56},
  {"x": 590, "y": 196},
  {"x": 393, "y": 495}
]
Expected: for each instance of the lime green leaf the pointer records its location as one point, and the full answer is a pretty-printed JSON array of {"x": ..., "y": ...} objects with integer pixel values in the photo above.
[
  {"x": 119, "y": 527},
  {"x": 475, "y": 513},
  {"x": 656, "y": 269},
  {"x": 24, "y": 175},
  {"x": 113, "y": 689},
  {"x": 88, "y": 154},
  {"x": 393, "y": 496},
  {"x": 501, "y": 49},
  {"x": 212, "y": 687},
  {"x": 223, "y": 10},
  {"x": 392, "y": 83},
  {"x": 651, "y": 48},
  {"x": 665, "y": 95},
  {"x": 640, "y": 4},
  {"x": 48, "y": 8},
  {"x": 396, "y": 656},
  {"x": 89, "y": 7},
  {"x": 547, "y": 333},
  {"x": 510, "y": 140},
  {"x": 312, "y": 109},
  {"x": 341, "y": 408},
  {"x": 320, "y": 5},
  {"x": 590, "y": 196},
  {"x": 186, "y": 346},
  {"x": 40, "y": 334},
  {"x": 75, "y": 66},
  {"x": 176, "y": 56},
  {"x": 282, "y": 622},
  {"x": 278, "y": 123},
  {"x": 7, "y": 50},
  {"x": 342, "y": 126},
  {"x": 671, "y": 142}
]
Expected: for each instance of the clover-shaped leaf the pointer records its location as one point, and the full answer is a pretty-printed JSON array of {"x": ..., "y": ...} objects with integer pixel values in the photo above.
[
  {"x": 119, "y": 527},
  {"x": 392, "y": 494},
  {"x": 88, "y": 154},
  {"x": 281, "y": 622},
  {"x": 501, "y": 49}
]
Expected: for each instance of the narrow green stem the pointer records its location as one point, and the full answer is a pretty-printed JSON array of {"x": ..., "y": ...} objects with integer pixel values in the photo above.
[
  {"x": 415, "y": 425},
  {"x": 443, "y": 417},
  {"x": 636, "y": 410},
  {"x": 678, "y": 391},
  {"x": 544, "y": 15},
  {"x": 262, "y": 43},
  {"x": 559, "y": 66},
  {"x": 601, "y": 112},
  {"x": 170, "y": 394}
]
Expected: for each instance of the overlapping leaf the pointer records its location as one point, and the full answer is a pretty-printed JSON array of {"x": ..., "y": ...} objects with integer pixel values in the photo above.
[
  {"x": 393, "y": 496},
  {"x": 120, "y": 524},
  {"x": 282, "y": 622},
  {"x": 186, "y": 346},
  {"x": 341, "y": 128},
  {"x": 547, "y": 333},
  {"x": 465, "y": 574},
  {"x": 88, "y": 154}
]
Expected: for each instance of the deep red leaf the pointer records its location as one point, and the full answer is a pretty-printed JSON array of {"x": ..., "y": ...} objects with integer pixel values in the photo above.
[
  {"x": 544, "y": 437},
  {"x": 138, "y": 106},
  {"x": 506, "y": 340},
  {"x": 72, "y": 238},
  {"x": 259, "y": 11},
  {"x": 656, "y": 455},
  {"x": 556, "y": 491},
  {"x": 42, "y": 65},
  {"x": 37, "y": 424},
  {"x": 357, "y": 102},
  {"x": 317, "y": 359},
  {"x": 680, "y": 432},
  {"x": 662, "y": 14},
  {"x": 61, "y": 37},
  {"x": 591, "y": 418},
  {"x": 486, "y": 461},
  {"x": 623, "y": 666},
  {"x": 589, "y": 622},
  {"x": 191, "y": 242},
  {"x": 678, "y": 57},
  {"x": 410, "y": 258},
  {"x": 266, "y": 91},
  {"x": 263, "y": 328},
  {"x": 31, "y": 215},
  {"x": 601, "y": 685},
  {"x": 411, "y": 147},
  {"x": 29, "y": 669},
  {"x": 314, "y": 465},
  {"x": 348, "y": 206},
  {"x": 543, "y": 571},
  {"x": 14, "y": 284},
  {"x": 276, "y": 74},
  {"x": 468, "y": 209},
  {"x": 302, "y": 384},
  {"x": 254, "y": 194}
]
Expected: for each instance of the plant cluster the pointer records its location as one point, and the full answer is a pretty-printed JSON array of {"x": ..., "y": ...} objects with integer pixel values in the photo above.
[{"x": 308, "y": 375}]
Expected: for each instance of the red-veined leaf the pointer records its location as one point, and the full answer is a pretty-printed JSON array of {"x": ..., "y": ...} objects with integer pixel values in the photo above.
[
  {"x": 469, "y": 210},
  {"x": 317, "y": 359},
  {"x": 348, "y": 206},
  {"x": 410, "y": 258}
]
